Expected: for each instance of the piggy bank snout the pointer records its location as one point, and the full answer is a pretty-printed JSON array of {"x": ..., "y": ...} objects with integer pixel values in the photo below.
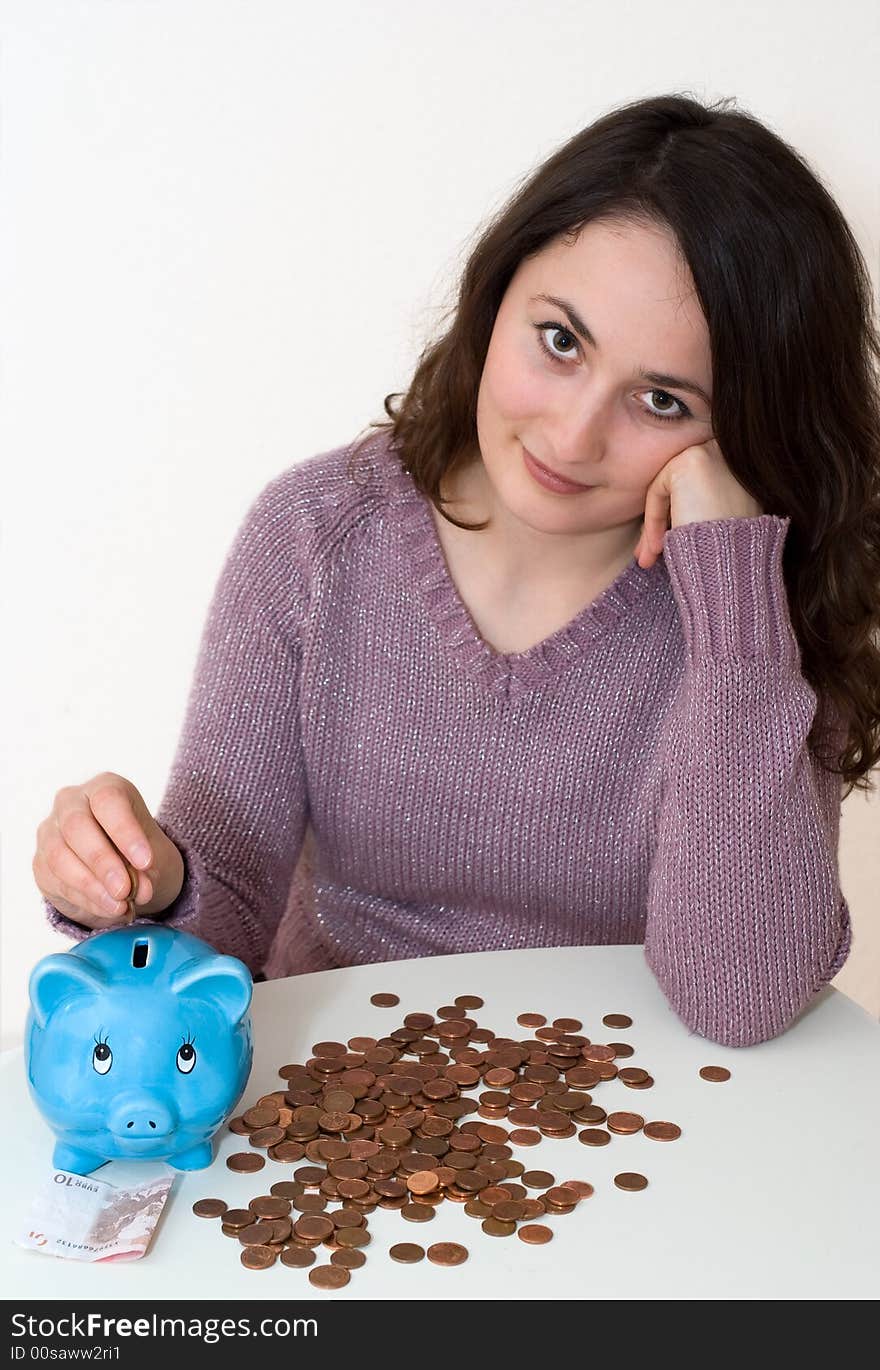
[{"x": 142, "y": 1113}]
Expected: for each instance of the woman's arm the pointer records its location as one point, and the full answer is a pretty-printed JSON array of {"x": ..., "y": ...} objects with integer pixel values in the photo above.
[
  {"x": 746, "y": 920},
  {"x": 236, "y": 804}
]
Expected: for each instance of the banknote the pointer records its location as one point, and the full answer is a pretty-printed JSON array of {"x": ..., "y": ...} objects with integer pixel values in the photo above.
[{"x": 84, "y": 1219}]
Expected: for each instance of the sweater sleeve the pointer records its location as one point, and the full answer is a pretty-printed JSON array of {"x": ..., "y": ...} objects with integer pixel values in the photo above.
[
  {"x": 746, "y": 920},
  {"x": 236, "y": 803}
]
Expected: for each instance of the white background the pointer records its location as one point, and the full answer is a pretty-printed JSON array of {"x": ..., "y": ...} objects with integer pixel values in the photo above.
[{"x": 228, "y": 229}]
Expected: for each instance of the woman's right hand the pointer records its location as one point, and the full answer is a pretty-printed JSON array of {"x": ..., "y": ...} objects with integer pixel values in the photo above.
[{"x": 77, "y": 863}]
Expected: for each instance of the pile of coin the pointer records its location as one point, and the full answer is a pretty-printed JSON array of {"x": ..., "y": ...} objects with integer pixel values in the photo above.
[{"x": 367, "y": 1128}]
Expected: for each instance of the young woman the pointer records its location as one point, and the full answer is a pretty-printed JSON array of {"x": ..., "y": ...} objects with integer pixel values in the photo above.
[{"x": 580, "y": 645}]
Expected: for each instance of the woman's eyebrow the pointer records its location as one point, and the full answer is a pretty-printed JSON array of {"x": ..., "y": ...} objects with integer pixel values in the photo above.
[{"x": 658, "y": 377}]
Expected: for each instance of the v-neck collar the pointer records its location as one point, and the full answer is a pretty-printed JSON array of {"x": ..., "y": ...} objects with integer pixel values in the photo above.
[{"x": 507, "y": 675}]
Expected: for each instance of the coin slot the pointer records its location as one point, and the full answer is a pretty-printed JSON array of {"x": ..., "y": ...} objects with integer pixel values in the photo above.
[{"x": 139, "y": 954}]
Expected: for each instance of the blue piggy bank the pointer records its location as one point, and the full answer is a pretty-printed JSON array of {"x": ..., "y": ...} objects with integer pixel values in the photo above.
[{"x": 138, "y": 1046}]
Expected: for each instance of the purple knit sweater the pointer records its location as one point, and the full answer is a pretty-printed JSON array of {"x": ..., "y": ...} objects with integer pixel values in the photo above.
[{"x": 641, "y": 775}]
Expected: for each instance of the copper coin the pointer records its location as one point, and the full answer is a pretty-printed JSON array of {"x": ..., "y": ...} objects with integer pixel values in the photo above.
[
  {"x": 617, "y": 1020},
  {"x": 257, "y": 1234},
  {"x": 353, "y": 1236},
  {"x": 594, "y": 1136},
  {"x": 270, "y": 1206},
  {"x": 288, "y": 1151},
  {"x": 422, "y": 1182},
  {"x": 238, "y": 1217},
  {"x": 286, "y": 1189},
  {"x": 531, "y": 1019},
  {"x": 467, "y": 1001},
  {"x": 383, "y": 1001},
  {"x": 245, "y": 1161},
  {"x": 582, "y": 1188},
  {"x": 209, "y": 1208},
  {"x": 524, "y": 1136},
  {"x": 297, "y": 1256},
  {"x": 497, "y": 1227},
  {"x": 417, "y": 1213},
  {"x": 259, "y": 1257},
  {"x": 349, "y": 1259},
  {"x": 314, "y": 1227},
  {"x": 662, "y": 1132},
  {"x": 647, "y": 1083},
  {"x": 407, "y": 1252},
  {"x": 268, "y": 1136},
  {"x": 538, "y": 1179},
  {"x": 632, "y": 1075},
  {"x": 568, "y": 1024},
  {"x": 329, "y": 1276},
  {"x": 361, "y": 1043},
  {"x": 257, "y": 1117},
  {"x": 624, "y": 1123},
  {"x": 630, "y": 1180},
  {"x": 535, "y": 1234},
  {"x": 560, "y": 1197},
  {"x": 447, "y": 1253},
  {"x": 715, "y": 1073},
  {"x": 592, "y": 1114}
]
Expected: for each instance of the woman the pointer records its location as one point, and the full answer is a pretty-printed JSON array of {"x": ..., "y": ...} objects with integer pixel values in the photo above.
[{"x": 610, "y": 695}]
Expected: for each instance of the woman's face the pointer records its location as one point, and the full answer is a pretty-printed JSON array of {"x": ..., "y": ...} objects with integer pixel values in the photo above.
[{"x": 585, "y": 409}]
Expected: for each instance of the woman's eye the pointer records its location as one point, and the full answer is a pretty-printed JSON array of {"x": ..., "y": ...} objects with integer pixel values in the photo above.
[
  {"x": 102, "y": 1058},
  {"x": 555, "y": 328},
  {"x": 186, "y": 1058}
]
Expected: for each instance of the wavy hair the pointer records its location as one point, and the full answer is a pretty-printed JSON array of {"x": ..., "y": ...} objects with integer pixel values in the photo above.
[{"x": 795, "y": 354}]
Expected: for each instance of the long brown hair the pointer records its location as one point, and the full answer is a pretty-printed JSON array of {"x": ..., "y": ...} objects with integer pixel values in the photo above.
[{"x": 795, "y": 355}]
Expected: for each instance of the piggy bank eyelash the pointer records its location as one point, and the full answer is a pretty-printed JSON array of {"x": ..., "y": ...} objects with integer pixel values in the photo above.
[
  {"x": 102, "y": 1056},
  {"x": 186, "y": 1056}
]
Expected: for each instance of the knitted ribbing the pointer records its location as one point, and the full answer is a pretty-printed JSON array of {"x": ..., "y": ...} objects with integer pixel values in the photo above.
[{"x": 641, "y": 775}]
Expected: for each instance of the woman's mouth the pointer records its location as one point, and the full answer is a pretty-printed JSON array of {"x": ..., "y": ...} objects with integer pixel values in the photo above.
[{"x": 549, "y": 480}]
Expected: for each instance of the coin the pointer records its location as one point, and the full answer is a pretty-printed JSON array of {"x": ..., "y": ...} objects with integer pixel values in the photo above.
[
  {"x": 594, "y": 1136},
  {"x": 617, "y": 1020},
  {"x": 568, "y": 1024},
  {"x": 384, "y": 1001},
  {"x": 497, "y": 1227},
  {"x": 631, "y": 1180},
  {"x": 524, "y": 1136},
  {"x": 245, "y": 1161},
  {"x": 531, "y": 1019},
  {"x": 422, "y": 1182},
  {"x": 259, "y": 1257},
  {"x": 535, "y": 1234},
  {"x": 468, "y": 1001},
  {"x": 407, "y": 1252},
  {"x": 582, "y": 1188},
  {"x": 624, "y": 1123},
  {"x": 209, "y": 1208},
  {"x": 417, "y": 1213},
  {"x": 715, "y": 1073},
  {"x": 329, "y": 1277},
  {"x": 260, "y": 1116},
  {"x": 632, "y": 1075},
  {"x": 662, "y": 1132},
  {"x": 298, "y": 1256},
  {"x": 538, "y": 1179},
  {"x": 447, "y": 1253},
  {"x": 348, "y": 1258}
]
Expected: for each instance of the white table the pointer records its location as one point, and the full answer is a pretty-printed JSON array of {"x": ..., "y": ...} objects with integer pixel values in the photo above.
[{"x": 771, "y": 1192}]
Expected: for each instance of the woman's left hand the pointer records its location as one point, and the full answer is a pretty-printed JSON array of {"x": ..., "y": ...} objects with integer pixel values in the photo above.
[{"x": 693, "y": 486}]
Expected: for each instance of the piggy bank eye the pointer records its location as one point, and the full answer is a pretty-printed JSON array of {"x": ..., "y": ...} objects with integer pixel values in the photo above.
[
  {"x": 102, "y": 1058},
  {"x": 186, "y": 1057}
]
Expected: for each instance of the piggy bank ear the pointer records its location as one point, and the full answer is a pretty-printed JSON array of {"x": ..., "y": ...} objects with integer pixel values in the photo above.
[
  {"x": 221, "y": 980},
  {"x": 59, "y": 977}
]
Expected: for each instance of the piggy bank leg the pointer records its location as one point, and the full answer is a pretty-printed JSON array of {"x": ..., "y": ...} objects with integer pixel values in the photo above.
[
  {"x": 76, "y": 1161},
  {"x": 195, "y": 1159}
]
